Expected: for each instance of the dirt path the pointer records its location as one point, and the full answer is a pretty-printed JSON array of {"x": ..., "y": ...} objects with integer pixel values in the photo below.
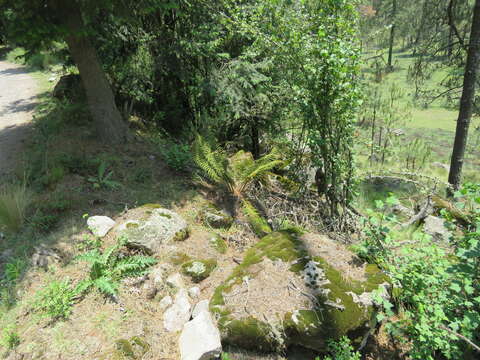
[{"x": 18, "y": 98}]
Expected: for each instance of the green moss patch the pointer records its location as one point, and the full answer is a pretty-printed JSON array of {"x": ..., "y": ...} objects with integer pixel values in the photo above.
[
  {"x": 257, "y": 222},
  {"x": 199, "y": 270},
  {"x": 218, "y": 243}
]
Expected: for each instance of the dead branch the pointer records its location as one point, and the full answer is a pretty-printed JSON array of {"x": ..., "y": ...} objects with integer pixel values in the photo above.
[
  {"x": 460, "y": 336},
  {"x": 426, "y": 210}
]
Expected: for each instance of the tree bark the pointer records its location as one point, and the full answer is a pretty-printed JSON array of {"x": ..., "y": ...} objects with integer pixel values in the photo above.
[
  {"x": 109, "y": 124},
  {"x": 392, "y": 36},
  {"x": 466, "y": 102}
]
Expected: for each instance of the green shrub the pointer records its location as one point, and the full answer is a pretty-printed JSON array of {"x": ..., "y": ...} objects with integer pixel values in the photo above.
[
  {"x": 55, "y": 300},
  {"x": 177, "y": 156},
  {"x": 436, "y": 292},
  {"x": 14, "y": 269},
  {"x": 14, "y": 203},
  {"x": 342, "y": 350}
]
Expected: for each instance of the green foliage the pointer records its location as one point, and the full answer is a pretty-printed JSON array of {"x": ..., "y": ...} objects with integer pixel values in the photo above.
[
  {"x": 257, "y": 222},
  {"x": 55, "y": 300},
  {"x": 436, "y": 294},
  {"x": 103, "y": 180},
  {"x": 342, "y": 350},
  {"x": 177, "y": 156},
  {"x": 199, "y": 270},
  {"x": 110, "y": 266},
  {"x": 10, "y": 338},
  {"x": 14, "y": 269},
  {"x": 14, "y": 204},
  {"x": 236, "y": 173}
]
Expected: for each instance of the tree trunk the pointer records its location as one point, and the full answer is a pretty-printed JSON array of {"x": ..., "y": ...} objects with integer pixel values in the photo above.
[
  {"x": 392, "y": 37},
  {"x": 108, "y": 122},
  {"x": 255, "y": 138},
  {"x": 466, "y": 102}
]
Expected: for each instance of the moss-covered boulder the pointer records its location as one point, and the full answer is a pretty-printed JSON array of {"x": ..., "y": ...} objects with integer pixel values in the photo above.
[
  {"x": 214, "y": 217},
  {"x": 199, "y": 270},
  {"x": 151, "y": 227},
  {"x": 293, "y": 289}
]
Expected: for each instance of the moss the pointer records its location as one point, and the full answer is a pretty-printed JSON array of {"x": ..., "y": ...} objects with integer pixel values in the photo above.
[
  {"x": 181, "y": 235},
  {"x": 213, "y": 217},
  {"x": 199, "y": 270},
  {"x": 218, "y": 243},
  {"x": 168, "y": 216},
  {"x": 251, "y": 334},
  {"x": 306, "y": 327},
  {"x": 258, "y": 223},
  {"x": 131, "y": 225},
  {"x": 133, "y": 348}
]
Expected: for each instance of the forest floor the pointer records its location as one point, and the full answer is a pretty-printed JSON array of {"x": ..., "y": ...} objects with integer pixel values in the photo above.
[{"x": 18, "y": 99}]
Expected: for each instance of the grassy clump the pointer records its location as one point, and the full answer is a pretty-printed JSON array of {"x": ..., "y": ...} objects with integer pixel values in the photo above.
[
  {"x": 55, "y": 300},
  {"x": 14, "y": 204}
]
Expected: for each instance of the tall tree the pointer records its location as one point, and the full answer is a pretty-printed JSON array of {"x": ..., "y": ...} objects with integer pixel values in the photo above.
[
  {"x": 35, "y": 23},
  {"x": 392, "y": 36},
  {"x": 467, "y": 100}
]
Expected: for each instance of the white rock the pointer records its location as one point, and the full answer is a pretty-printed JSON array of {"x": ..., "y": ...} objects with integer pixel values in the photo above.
[
  {"x": 202, "y": 306},
  {"x": 156, "y": 275},
  {"x": 434, "y": 226},
  {"x": 176, "y": 281},
  {"x": 179, "y": 313},
  {"x": 166, "y": 302},
  {"x": 100, "y": 225},
  {"x": 200, "y": 339},
  {"x": 194, "y": 292}
]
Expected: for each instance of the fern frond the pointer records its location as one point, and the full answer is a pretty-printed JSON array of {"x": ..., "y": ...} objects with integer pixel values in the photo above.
[
  {"x": 106, "y": 285},
  {"x": 90, "y": 256}
]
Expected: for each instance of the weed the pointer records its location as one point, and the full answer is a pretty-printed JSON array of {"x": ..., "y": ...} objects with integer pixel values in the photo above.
[
  {"x": 10, "y": 338},
  {"x": 14, "y": 269},
  {"x": 177, "y": 156},
  {"x": 103, "y": 178},
  {"x": 342, "y": 350},
  {"x": 55, "y": 300},
  {"x": 14, "y": 203}
]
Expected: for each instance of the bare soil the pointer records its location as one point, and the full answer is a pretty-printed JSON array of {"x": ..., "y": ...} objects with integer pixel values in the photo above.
[{"x": 18, "y": 98}]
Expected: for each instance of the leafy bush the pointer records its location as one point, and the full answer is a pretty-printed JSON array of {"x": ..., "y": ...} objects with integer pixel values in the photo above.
[
  {"x": 14, "y": 203},
  {"x": 14, "y": 269},
  {"x": 55, "y": 300},
  {"x": 177, "y": 156},
  {"x": 103, "y": 178},
  {"x": 109, "y": 267},
  {"x": 342, "y": 350},
  {"x": 436, "y": 292}
]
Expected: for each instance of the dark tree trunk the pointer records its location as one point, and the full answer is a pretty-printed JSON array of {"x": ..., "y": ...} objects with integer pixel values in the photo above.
[
  {"x": 421, "y": 27},
  {"x": 466, "y": 102},
  {"x": 255, "y": 138},
  {"x": 392, "y": 37},
  {"x": 108, "y": 121}
]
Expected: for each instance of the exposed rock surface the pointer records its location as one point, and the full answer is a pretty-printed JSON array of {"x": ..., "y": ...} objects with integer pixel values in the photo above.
[
  {"x": 200, "y": 307},
  {"x": 287, "y": 291},
  {"x": 175, "y": 281},
  {"x": 157, "y": 228},
  {"x": 100, "y": 225},
  {"x": 179, "y": 313},
  {"x": 211, "y": 216},
  {"x": 434, "y": 226},
  {"x": 200, "y": 339}
]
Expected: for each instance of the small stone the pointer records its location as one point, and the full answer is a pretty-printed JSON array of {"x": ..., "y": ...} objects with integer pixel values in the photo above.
[
  {"x": 166, "y": 302},
  {"x": 156, "y": 275},
  {"x": 200, "y": 339},
  {"x": 100, "y": 225},
  {"x": 151, "y": 292},
  {"x": 435, "y": 227},
  {"x": 175, "y": 281},
  {"x": 194, "y": 292},
  {"x": 200, "y": 307},
  {"x": 178, "y": 314}
]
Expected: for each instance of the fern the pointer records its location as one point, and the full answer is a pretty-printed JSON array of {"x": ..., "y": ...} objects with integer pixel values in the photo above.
[
  {"x": 234, "y": 174},
  {"x": 109, "y": 267}
]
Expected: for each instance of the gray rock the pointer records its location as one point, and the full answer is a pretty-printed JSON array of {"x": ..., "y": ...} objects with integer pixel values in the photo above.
[
  {"x": 175, "y": 281},
  {"x": 200, "y": 339},
  {"x": 162, "y": 227},
  {"x": 179, "y": 313},
  {"x": 100, "y": 225},
  {"x": 200, "y": 307},
  {"x": 399, "y": 209},
  {"x": 166, "y": 302},
  {"x": 434, "y": 226},
  {"x": 156, "y": 275}
]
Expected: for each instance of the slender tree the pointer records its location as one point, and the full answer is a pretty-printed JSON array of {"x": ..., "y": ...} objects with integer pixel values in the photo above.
[
  {"x": 392, "y": 36},
  {"x": 466, "y": 101}
]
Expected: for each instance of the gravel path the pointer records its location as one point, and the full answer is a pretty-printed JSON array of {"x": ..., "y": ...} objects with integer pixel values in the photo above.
[{"x": 18, "y": 98}]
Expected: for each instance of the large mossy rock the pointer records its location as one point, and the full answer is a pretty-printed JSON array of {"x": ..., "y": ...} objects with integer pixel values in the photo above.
[
  {"x": 151, "y": 227},
  {"x": 310, "y": 290}
]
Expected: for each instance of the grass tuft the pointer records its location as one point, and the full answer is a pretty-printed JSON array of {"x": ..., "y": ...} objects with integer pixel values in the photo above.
[{"x": 14, "y": 203}]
